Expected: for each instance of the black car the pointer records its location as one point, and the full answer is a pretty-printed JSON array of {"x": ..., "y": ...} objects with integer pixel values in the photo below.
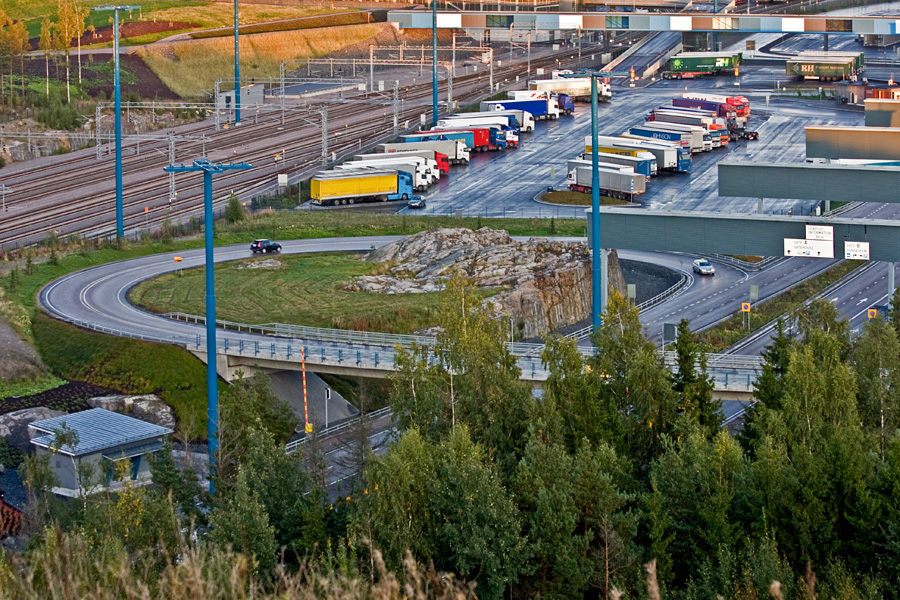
[
  {"x": 416, "y": 202},
  {"x": 265, "y": 246}
]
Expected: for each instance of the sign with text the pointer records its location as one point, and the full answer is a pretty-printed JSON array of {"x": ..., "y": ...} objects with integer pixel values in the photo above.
[
  {"x": 856, "y": 250},
  {"x": 820, "y": 232},
  {"x": 811, "y": 248}
]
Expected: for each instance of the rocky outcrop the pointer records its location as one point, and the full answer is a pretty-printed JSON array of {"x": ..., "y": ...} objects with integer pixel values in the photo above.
[
  {"x": 14, "y": 425},
  {"x": 148, "y": 408},
  {"x": 542, "y": 285}
]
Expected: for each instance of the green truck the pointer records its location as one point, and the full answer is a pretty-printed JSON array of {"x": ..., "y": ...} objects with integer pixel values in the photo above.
[
  {"x": 823, "y": 69},
  {"x": 859, "y": 58},
  {"x": 694, "y": 65}
]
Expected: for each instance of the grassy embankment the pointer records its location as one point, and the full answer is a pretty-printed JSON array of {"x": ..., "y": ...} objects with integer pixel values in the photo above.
[
  {"x": 205, "y": 14},
  {"x": 140, "y": 367},
  {"x": 578, "y": 199},
  {"x": 727, "y": 333},
  {"x": 190, "y": 68}
]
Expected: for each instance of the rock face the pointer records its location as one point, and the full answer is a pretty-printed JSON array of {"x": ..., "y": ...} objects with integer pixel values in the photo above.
[
  {"x": 544, "y": 285},
  {"x": 14, "y": 425},
  {"x": 146, "y": 408}
]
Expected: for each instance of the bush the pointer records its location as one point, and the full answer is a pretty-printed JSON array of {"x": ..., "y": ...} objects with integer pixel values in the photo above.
[
  {"x": 234, "y": 212},
  {"x": 10, "y": 456},
  {"x": 131, "y": 366},
  {"x": 59, "y": 116}
]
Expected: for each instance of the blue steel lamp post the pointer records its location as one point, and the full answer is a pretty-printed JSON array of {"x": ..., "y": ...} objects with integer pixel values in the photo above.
[
  {"x": 120, "y": 226},
  {"x": 237, "y": 69},
  {"x": 434, "y": 61},
  {"x": 208, "y": 168}
]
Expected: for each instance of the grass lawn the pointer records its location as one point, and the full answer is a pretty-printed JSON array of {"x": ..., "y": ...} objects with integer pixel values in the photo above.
[
  {"x": 306, "y": 290},
  {"x": 578, "y": 199}
]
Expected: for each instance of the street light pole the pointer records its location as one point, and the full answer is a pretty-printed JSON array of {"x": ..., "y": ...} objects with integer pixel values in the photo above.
[
  {"x": 120, "y": 218},
  {"x": 237, "y": 69},
  {"x": 3, "y": 189},
  {"x": 434, "y": 61},
  {"x": 596, "y": 260},
  {"x": 208, "y": 168}
]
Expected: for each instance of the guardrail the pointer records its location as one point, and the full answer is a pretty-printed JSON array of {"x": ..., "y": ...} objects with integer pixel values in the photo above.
[
  {"x": 292, "y": 446},
  {"x": 584, "y": 332},
  {"x": 747, "y": 266}
]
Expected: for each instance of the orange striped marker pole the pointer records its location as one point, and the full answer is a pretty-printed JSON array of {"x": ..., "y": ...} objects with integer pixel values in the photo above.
[{"x": 308, "y": 426}]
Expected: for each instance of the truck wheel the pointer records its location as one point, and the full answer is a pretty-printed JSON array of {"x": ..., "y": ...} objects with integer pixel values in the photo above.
[
  {"x": 350, "y": 201},
  {"x": 405, "y": 196}
]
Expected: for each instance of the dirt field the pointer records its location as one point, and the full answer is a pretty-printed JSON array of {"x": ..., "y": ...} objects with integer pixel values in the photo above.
[{"x": 96, "y": 72}]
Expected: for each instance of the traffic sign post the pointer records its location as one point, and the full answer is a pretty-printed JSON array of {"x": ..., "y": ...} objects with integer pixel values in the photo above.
[
  {"x": 745, "y": 310},
  {"x": 873, "y": 313}
]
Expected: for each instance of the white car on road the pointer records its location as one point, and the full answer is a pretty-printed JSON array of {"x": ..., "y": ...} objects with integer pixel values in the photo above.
[{"x": 704, "y": 267}]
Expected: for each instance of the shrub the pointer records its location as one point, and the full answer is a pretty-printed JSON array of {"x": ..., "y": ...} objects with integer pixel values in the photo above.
[
  {"x": 234, "y": 212},
  {"x": 59, "y": 116}
]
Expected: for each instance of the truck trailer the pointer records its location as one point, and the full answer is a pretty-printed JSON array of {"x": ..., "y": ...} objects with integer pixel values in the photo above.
[
  {"x": 439, "y": 159},
  {"x": 859, "y": 58},
  {"x": 612, "y": 182},
  {"x": 540, "y": 108},
  {"x": 681, "y": 138},
  {"x": 426, "y": 166},
  {"x": 668, "y": 156},
  {"x": 456, "y": 150},
  {"x": 504, "y": 122},
  {"x": 421, "y": 179},
  {"x": 645, "y": 164},
  {"x": 700, "y": 140},
  {"x": 694, "y": 65},
  {"x": 476, "y": 140},
  {"x": 486, "y": 137},
  {"x": 332, "y": 188},
  {"x": 518, "y": 119},
  {"x": 579, "y": 88},
  {"x": 740, "y": 103},
  {"x": 823, "y": 69},
  {"x": 718, "y": 131}
]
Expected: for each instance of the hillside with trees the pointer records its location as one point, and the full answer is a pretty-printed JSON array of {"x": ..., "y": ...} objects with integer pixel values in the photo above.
[{"x": 618, "y": 482}]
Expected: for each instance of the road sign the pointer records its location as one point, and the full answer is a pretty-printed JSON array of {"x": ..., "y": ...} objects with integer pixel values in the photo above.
[
  {"x": 632, "y": 291},
  {"x": 669, "y": 332},
  {"x": 811, "y": 248},
  {"x": 856, "y": 250},
  {"x": 820, "y": 232},
  {"x": 873, "y": 313},
  {"x": 308, "y": 428},
  {"x": 754, "y": 293},
  {"x": 745, "y": 307}
]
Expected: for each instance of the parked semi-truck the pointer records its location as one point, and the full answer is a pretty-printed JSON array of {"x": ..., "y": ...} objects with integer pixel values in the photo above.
[
  {"x": 722, "y": 125},
  {"x": 439, "y": 158},
  {"x": 644, "y": 164},
  {"x": 612, "y": 182},
  {"x": 364, "y": 185},
  {"x": 504, "y": 122},
  {"x": 700, "y": 140},
  {"x": 682, "y": 139},
  {"x": 668, "y": 156},
  {"x": 718, "y": 131},
  {"x": 859, "y": 58},
  {"x": 579, "y": 88},
  {"x": 610, "y": 161},
  {"x": 740, "y": 103},
  {"x": 540, "y": 108},
  {"x": 424, "y": 165},
  {"x": 487, "y": 137},
  {"x": 456, "y": 150},
  {"x": 824, "y": 69},
  {"x": 421, "y": 179},
  {"x": 722, "y": 109},
  {"x": 519, "y": 119},
  {"x": 565, "y": 102},
  {"x": 694, "y": 65},
  {"x": 476, "y": 140}
]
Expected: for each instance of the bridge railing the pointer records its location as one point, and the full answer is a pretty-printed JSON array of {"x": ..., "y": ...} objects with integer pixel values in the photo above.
[{"x": 346, "y": 425}]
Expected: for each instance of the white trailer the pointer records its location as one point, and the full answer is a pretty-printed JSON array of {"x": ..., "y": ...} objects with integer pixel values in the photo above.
[
  {"x": 613, "y": 182},
  {"x": 700, "y": 140},
  {"x": 666, "y": 155},
  {"x": 523, "y": 117},
  {"x": 578, "y": 88},
  {"x": 421, "y": 179},
  {"x": 431, "y": 166},
  {"x": 456, "y": 150}
]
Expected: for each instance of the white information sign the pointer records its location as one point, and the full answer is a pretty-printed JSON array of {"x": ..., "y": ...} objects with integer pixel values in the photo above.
[
  {"x": 820, "y": 232},
  {"x": 812, "y": 248},
  {"x": 856, "y": 250}
]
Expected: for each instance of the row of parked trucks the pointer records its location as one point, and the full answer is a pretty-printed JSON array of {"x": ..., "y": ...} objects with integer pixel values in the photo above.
[
  {"x": 664, "y": 142},
  {"x": 397, "y": 170}
]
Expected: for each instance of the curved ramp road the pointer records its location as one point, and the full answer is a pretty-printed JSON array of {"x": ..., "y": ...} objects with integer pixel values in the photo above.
[{"x": 97, "y": 299}]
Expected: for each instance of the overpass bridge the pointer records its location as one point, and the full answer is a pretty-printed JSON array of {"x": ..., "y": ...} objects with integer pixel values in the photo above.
[{"x": 97, "y": 299}]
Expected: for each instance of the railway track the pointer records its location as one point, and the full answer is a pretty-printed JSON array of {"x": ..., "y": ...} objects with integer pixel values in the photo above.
[{"x": 74, "y": 194}]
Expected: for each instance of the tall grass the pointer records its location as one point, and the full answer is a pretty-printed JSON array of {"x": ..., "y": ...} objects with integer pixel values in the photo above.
[{"x": 191, "y": 68}]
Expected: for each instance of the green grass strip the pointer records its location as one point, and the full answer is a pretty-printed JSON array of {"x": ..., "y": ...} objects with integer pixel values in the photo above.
[{"x": 732, "y": 330}]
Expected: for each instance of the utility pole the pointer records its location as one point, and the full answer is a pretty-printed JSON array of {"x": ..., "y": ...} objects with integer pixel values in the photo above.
[
  {"x": 371, "y": 67},
  {"x": 282, "y": 92},
  {"x": 3, "y": 189},
  {"x": 324, "y": 112},
  {"x": 529, "y": 53},
  {"x": 216, "y": 108},
  {"x": 396, "y": 107},
  {"x": 97, "y": 117},
  {"x": 491, "y": 69},
  {"x": 208, "y": 168},
  {"x": 172, "y": 193}
]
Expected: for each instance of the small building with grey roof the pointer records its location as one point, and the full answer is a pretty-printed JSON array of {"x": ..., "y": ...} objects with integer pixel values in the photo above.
[{"x": 98, "y": 443}]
